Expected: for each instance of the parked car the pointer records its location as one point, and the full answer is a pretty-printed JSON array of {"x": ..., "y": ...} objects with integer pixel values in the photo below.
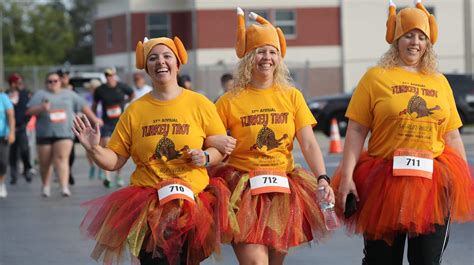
[
  {"x": 326, "y": 108},
  {"x": 463, "y": 90},
  {"x": 78, "y": 79}
]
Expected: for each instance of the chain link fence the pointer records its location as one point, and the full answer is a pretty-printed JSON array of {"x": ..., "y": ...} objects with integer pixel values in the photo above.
[{"x": 313, "y": 80}]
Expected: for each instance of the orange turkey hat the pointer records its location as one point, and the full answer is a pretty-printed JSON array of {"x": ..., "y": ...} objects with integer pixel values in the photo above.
[
  {"x": 410, "y": 18},
  {"x": 143, "y": 49},
  {"x": 257, "y": 35}
]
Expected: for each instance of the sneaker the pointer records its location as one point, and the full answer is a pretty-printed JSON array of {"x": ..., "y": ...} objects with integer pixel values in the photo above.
[
  {"x": 119, "y": 181},
  {"x": 3, "y": 190},
  {"x": 46, "y": 191},
  {"x": 91, "y": 172},
  {"x": 107, "y": 183},
  {"x": 66, "y": 192}
]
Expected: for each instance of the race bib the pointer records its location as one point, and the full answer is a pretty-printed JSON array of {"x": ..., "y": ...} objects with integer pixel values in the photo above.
[
  {"x": 14, "y": 98},
  {"x": 114, "y": 111},
  {"x": 57, "y": 115},
  {"x": 267, "y": 181},
  {"x": 173, "y": 189},
  {"x": 412, "y": 162}
]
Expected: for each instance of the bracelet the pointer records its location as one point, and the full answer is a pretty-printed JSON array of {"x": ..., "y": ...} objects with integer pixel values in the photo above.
[
  {"x": 206, "y": 154},
  {"x": 325, "y": 177}
]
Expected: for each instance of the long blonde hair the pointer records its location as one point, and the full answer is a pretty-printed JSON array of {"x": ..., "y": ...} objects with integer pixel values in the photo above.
[
  {"x": 428, "y": 62},
  {"x": 243, "y": 73}
]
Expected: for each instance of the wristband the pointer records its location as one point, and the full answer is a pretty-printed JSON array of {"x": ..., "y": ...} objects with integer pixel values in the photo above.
[
  {"x": 206, "y": 154},
  {"x": 325, "y": 177}
]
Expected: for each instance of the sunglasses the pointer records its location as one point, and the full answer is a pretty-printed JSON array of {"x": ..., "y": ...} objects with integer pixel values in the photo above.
[{"x": 51, "y": 81}]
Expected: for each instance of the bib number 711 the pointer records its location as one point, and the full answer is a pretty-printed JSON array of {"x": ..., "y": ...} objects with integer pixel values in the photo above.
[{"x": 412, "y": 162}]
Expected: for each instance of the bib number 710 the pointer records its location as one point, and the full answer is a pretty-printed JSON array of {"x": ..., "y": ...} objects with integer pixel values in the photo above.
[{"x": 174, "y": 189}]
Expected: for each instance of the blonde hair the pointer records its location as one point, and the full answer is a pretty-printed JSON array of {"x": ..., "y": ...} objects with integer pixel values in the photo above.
[
  {"x": 428, "y": 62},
  {"x": 243, "y": 73}
]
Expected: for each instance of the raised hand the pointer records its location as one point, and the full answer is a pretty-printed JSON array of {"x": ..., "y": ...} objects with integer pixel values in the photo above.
[{"x": 86, "y": 134}]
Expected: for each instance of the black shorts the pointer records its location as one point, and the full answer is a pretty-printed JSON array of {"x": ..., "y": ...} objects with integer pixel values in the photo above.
[
  {"x": 50, "y": 140},
  {"x": 4, "y": 147},
  {"x": 106, "y": 130}
]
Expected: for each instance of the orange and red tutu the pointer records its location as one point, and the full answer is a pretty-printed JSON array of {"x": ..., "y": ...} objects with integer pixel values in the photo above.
[
  {"x": 276, "y": 220},
  {"x": 133, "y": 218},
  {"x": 390, "y": 205}
]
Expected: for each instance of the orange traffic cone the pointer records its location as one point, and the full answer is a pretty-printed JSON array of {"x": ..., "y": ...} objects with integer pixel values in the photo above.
[{"x": 335, "y": 146}]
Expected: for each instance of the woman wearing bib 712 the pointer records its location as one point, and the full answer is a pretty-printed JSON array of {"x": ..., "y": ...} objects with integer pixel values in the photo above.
[
  {"x": 414, "y": 178},
  {"x": 275, "y": 201},
  {"x": 171, "y": 213}
]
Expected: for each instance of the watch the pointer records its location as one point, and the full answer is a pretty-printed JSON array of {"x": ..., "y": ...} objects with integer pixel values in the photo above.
[
  {"x": 325, "y": 177},
  {"x": 206, "y": 154}
]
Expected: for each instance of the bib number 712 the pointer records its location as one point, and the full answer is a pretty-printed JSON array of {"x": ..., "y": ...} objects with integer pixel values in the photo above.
[{"x": 270, "y": 180}]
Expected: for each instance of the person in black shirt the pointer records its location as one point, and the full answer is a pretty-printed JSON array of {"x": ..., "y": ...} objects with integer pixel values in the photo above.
[
  {"x": 113, "y": 96},
  {"x": 19, "y": 97}
]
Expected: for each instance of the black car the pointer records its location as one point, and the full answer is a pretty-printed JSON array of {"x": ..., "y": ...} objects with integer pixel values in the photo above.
[
  {"x": 326, "y": 108},
  {"x": 463, "y": 90}
]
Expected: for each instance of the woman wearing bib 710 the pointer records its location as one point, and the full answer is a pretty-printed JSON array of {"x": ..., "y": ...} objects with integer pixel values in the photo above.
[
  {"x": 275, "y": 201},
  {"x": 414, "y": 178},
  {"x": 171, "y": 213}
]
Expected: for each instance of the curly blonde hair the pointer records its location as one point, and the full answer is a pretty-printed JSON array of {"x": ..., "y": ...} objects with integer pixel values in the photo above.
[
  {"x": 243, "y": 73},
  {"x": 428, "y": 62}
]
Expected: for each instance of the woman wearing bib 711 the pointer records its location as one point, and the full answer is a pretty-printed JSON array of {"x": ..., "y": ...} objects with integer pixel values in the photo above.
[
  {"x": 171, "y": 213},
  {"x": 275, "y": 201},
  {"x": 414, "y": 178}
]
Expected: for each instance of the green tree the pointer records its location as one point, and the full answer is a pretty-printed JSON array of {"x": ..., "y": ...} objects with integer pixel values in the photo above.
[
  {"x": 82, "y": 15},
  {"x": 36, "y": 33}
]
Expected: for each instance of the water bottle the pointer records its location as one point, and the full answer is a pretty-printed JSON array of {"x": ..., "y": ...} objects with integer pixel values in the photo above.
[{"x": 330, "y": 218}]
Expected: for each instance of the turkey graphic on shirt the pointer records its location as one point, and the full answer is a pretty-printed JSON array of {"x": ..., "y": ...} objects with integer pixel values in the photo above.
[
  {"x": 266, "y": 137},
  {"x": 417, "y": 105},
  {"x": 166, "y": 150}
]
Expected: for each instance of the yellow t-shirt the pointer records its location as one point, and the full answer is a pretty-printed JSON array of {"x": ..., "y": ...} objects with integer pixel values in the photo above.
[
  {"x": 157, "y": 135},
  {"x": 264, "y": 122},
  {"x": 404, "y": 110}
]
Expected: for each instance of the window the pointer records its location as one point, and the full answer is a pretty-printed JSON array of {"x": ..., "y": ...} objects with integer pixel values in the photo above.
[
  {"x": 158, "y": 25},
  {"x": 286, "y": 20},
  {"x": 108, "y": 34}
]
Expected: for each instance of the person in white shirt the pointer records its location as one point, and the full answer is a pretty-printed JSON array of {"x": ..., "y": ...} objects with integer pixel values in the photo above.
[{"x": 139, "y": 86}]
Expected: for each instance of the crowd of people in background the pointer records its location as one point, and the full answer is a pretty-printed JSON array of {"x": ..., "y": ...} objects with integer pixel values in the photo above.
[{"x": 106, "y": 102}]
